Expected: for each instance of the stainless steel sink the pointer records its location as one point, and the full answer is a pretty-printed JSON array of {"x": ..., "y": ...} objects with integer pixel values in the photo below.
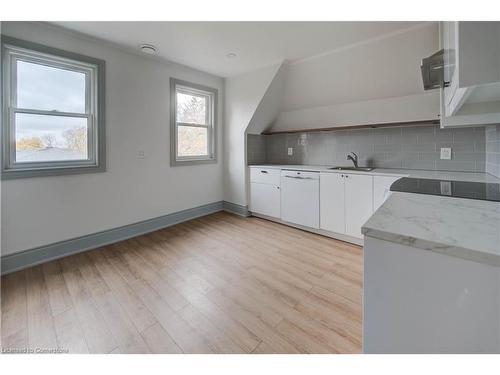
[{"x": 361, "y": 169}]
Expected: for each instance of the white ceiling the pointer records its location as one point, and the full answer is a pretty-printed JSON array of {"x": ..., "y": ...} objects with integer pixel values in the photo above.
[{"x": 204, "y": 45}]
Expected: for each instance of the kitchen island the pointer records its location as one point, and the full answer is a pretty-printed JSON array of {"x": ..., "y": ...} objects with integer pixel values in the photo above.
[{"x": 432, "y": 276}]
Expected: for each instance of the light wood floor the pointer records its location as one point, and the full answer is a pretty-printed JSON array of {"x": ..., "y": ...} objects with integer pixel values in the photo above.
[{"x": 218, "y": 284}]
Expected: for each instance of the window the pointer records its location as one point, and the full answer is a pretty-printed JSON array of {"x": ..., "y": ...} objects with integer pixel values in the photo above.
[
  {"x": 53, "y": 111},
  {"x": 193, "y": 114}
]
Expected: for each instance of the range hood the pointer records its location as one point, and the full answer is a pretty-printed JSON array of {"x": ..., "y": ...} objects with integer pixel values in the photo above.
[{"x": 432, "y": 69}]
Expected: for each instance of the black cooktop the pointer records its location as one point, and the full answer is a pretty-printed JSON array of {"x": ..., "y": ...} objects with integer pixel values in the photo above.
[{"x": 456, "y": 189}]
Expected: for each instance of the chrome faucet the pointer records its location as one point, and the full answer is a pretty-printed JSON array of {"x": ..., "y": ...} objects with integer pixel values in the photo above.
[{"x": 354, "y": 158}]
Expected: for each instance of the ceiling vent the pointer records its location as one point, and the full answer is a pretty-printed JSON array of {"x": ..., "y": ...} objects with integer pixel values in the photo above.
[{"x": 148, "y": 49}]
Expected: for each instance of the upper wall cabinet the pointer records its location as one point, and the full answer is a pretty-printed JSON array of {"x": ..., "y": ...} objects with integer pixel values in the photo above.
[{"x": 471, "y": 73}]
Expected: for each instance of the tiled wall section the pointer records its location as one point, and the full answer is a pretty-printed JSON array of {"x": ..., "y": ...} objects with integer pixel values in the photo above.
[
  {"x": 256, "y": 149},
  {"x": 493, "y": 150},
  {"x": 416, "y": 147}
]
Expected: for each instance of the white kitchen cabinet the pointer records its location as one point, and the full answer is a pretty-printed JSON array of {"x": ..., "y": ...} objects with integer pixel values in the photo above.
[
  {"x": 472, "y": 73},
  {"x": 300, "y": 198},
  {"x": 381, "y": 189},
  {"x": 332, "y": 202},
  {"x": 265, "y": 192},
  {"x": 346, "y": 202},
  {"x": 358, "y": 203},
  {"x": 265, "y": 199}
]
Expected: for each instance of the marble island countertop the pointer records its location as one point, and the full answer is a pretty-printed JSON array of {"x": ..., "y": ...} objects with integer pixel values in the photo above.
[
  {"x": 464, "y": 228},
  {"x": 443, "y": 175}
]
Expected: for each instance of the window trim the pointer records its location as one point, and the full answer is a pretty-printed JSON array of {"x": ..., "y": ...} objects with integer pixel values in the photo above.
[
  {"x": 94, "y": 69},
  {"x": 211, "y": 126}
]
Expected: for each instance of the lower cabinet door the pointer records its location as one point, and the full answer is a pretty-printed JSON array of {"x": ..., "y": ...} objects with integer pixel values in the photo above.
[
  {"x": 358, "y": 203},
  {"x": 332, "y": 202},
  {"x": 265, "y": 199}
]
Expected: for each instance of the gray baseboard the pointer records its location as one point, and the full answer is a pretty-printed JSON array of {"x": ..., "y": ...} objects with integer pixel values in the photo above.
[
  {"x": 235, "y": 209},
  {"x": 23, "y": 259}
]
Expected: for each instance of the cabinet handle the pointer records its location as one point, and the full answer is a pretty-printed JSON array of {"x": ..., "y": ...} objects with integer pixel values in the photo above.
[
  {"x": 299, "y": 178},
  {"x": 263, "y": 172}
]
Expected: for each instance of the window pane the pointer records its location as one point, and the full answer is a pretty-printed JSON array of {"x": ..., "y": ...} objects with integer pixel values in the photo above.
[
  {"x": 192, "y": 141},
  {"x": 191, "y": 109},
  {"x": 41, "y": 138},
  {"x": 51, "y": 89}
]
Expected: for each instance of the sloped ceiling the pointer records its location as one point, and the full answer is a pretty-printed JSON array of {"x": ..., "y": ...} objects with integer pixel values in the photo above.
[{"x": 270, "y": 105}]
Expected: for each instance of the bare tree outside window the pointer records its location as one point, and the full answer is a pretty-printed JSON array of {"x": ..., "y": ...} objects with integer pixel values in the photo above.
[
  {"x": 191, "y": 109},
  {"x": 192, "y": 140},
  {"x": 76, "y": 139},
  {"x": 55, "y": 102},
  {"x": 192, "y": 128},
  {"x": 49, "y": 140}
]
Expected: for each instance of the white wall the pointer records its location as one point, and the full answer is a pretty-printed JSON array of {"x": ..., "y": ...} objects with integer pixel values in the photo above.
[
  {"x": 400, "y": 109},
  {"x": 345, "y": 87},
  {"x": 39, "y": 211},
  {"x": 383, "y": 68},
  {"x": 243, "y": 95}
]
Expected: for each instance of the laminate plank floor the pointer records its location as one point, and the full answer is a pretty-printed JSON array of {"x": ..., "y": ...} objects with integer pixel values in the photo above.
[{"x": 217, "y": 284}]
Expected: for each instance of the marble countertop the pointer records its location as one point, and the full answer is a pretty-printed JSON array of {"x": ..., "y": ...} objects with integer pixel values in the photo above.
[
  {"x": 443, "y": 175},
  {"x": 464, "y": 228}
]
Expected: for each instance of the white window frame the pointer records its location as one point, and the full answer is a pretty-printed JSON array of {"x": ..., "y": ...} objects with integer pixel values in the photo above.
[
  {"x": 211, "y": 120},
  {"x": 14, "y": 50}
]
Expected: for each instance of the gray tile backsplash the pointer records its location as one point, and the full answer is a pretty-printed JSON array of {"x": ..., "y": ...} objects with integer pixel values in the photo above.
[
  {"x": 493, "y": 150},
  {"x": 256, "y": 149},
  {"x": 416, "y": 147}
]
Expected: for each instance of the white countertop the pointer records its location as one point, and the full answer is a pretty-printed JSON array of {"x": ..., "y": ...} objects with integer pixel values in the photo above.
[
  {"x": 443, "y": 175},
  {"x": 464, "y": 228}
]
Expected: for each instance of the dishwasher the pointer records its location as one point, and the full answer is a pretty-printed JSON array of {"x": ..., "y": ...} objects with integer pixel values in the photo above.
[{"x": 300, "y": 198}]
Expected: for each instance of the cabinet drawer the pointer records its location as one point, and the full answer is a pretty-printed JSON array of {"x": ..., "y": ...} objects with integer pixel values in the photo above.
[{"x": 265, "y": 176}]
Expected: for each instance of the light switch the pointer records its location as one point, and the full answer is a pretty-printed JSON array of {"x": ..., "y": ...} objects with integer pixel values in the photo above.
[
  {"x": 290, "y": 151},
  {"x": 446, "y": 153}
]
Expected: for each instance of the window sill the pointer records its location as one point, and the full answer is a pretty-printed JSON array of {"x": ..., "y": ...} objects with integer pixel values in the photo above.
[
  {"x": 10, "y": 174},
  {"x": 180, "y": 163}
]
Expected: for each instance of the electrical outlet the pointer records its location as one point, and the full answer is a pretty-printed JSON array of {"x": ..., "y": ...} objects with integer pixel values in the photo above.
[
  {"x": 446, "y": 153},
  {"x": 290, "y": 151},
  {"x": 141, "y": 154}
]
